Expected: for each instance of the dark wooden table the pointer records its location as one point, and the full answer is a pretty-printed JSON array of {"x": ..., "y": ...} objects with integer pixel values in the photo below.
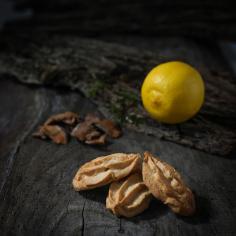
[{"x": 36, "y": 196}]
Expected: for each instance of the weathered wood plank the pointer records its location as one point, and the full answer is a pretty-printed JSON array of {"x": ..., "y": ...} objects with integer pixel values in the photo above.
[
  {"x": 112, "y": 75},
  {"x": 37, "y": 198}
]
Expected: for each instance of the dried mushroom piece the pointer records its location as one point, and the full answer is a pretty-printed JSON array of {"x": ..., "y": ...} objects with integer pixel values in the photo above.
[
  {"x": 53, "y": 132},
  {"x": 94, "y": 134},
  {"x": 40, "y": 133},
  {"x": 106, "y": 169},
  {"x": 109, "y": 127},
  {"x": 128, "y": 197},
  {"x": 166, "y": 184},
  {"x": 69, "y": 118},
  {"x": 82, "y": 130},
  {"x": 92, "y": 130},
  {"x": 85, "y": 132},
  {"x": 100, "y": 140},
  {"x": 106, "y": 126}
]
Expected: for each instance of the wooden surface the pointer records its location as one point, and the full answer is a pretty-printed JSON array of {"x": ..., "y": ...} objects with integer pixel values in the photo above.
[
  {"x": 111, "y": 75},
  {"x": 36, "y": 196}
]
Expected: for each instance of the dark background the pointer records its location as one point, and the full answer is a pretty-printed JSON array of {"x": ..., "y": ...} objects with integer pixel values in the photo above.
[{"x": 207, "y": 20}]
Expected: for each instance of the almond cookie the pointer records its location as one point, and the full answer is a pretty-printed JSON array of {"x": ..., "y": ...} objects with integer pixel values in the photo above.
[
  {"x": 166, "y": 184},
  {"x": 128, "y": 197},
  {"x": 106, "y": 169}
]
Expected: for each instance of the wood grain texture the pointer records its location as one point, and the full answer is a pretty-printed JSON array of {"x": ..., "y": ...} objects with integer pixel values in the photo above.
[
  {"x": 37, "y": 197},
  {"x": 112, "y": 74}
]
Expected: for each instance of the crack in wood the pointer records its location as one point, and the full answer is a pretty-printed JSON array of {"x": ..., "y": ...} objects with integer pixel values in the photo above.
[
  {"x": 16, "y": 149},
  {"x": 120, "y": 230},
  {"x": 83, "y": 218}
]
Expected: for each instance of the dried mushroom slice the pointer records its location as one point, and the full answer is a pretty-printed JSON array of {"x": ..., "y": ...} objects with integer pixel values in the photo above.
[
  {"x": 109, "y": 127},
  {"x": 166, "y": 184},
  {"x": 97, "y": 140},
  {"x": 53, "y": 132},
  {"x": 85, "y": 132},
  {"x": 69, "y": 118},
  {"x": 40, "y": 133},
  {"x": 82, "y": 130},
  {"x": 129, "y": 196},
  {"x": 106, "y": 126},
  {"x": 106, "y": 169}
]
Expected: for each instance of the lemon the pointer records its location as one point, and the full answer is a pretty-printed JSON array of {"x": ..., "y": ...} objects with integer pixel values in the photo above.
[{"x": 173, "y": 92}]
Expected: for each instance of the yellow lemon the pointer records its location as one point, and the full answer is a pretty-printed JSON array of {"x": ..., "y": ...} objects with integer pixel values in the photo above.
[{"x": 173, "y": 92}]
